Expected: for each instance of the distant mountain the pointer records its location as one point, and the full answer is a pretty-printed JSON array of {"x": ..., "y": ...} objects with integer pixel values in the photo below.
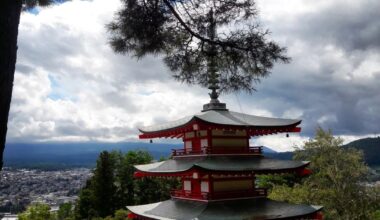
[
  {"x": 370, "y": 148},
  {"x": 61, "y": 155},
  {"x": 67, "y": 155},
  {"x": 268, "y": 150},
  {"x": 280, "y": 155}
]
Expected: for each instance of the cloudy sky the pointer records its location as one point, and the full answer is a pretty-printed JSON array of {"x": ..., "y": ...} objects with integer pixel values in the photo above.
[{"x": 70, "y": 86}]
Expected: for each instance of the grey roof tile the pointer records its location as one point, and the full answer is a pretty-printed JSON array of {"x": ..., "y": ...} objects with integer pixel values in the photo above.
[
  {"x": 257, "y": 208},
  {"x": 222, "y": 163},
  {"x": 224, "y": 118}
]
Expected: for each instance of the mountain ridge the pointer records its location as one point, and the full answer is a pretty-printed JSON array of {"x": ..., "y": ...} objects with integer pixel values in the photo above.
[
  {"x": 370, "y": 147},
  {"x": 52, "y": 155}
]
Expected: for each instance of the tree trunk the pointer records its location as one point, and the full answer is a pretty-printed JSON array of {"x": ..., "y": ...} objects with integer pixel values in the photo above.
[{"x": 9, "y": 20}]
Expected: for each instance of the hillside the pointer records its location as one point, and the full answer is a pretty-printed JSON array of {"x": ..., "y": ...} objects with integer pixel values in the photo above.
[{"x": 370, "y": 148}]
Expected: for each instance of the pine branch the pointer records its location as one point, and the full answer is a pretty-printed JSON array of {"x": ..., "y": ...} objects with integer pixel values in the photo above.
[{"x": 196, "y": 35}]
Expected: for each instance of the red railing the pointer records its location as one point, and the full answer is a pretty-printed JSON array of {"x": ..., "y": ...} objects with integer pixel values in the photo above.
[
  {"x": 219, "y": 150},
  {"x": 255, "y": 149},
  {"x": 188, "y": 194},
  {"x": 183, "y": 152},
  {"x": 258, "y": 192}
]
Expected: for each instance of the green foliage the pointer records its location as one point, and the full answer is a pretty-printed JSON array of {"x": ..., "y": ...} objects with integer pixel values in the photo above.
[
  {"x": 41, "y": 211},
  {"x": 65, "y": 212},
  {"x": 148, "y": 190},
  {"x": 113, "y": 186},
  {"x": 121, "y": 214},
  {"x": 336, "y": 182},
  {"x": 83, "y": 208},
  {"x": 374, "y": 194},
  {"x": 37, "y": 211},
  {"x": 269, "y": 181},
  {"x": 124, "y": 174},
  {"x": 376, "y": 215},
  {"x": 103, "y": 185},
  {"x": 189, "y": 32},
  {"x": 298, "y": 194},
  {"x": 98, "y": 197}
]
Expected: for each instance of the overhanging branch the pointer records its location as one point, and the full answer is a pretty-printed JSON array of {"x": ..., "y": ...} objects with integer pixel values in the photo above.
[{"x": 193, "y": 33}]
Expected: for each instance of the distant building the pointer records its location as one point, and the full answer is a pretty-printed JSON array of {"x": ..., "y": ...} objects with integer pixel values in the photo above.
[{"x": 8, "y": 216}]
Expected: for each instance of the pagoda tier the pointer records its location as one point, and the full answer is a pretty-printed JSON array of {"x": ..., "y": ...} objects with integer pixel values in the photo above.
[
  {"x": 220, "y": 164},
  {"x": 221, "y": 120},
  {"x": 258, "y": 208},
  {"x": 216, "y": 178}
]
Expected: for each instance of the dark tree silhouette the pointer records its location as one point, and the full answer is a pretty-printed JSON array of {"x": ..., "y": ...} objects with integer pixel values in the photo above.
[
  {"x": 113, "y": 186},
  {"x": 10, "y": 11},
  {"x": 103, "y": 185},
  {"x": 189, "y": 32}
]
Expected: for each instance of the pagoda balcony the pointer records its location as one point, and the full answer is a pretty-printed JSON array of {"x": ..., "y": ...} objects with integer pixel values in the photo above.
[
  {"x": 187, "y": 194},
  {"x": 256, "y": 150}
]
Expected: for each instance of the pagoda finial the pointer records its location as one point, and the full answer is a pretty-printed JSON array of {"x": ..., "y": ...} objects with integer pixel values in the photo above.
[{"x": 213, "y": 76}]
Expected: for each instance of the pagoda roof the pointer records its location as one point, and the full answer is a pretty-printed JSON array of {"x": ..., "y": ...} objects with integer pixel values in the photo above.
[
  {"x": 257, "y": 208},
  {"x": 257, "y": 164},
  {"x": 224, "y": 118}
]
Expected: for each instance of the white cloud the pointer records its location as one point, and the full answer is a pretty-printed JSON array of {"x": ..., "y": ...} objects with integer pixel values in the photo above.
[
  {"x": 70, "y": 85},
  {"x": 280, "y": 142},
  {"x": 349, "y": 138}
]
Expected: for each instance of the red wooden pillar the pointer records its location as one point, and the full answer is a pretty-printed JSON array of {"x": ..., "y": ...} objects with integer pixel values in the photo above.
[
  {"x": 248, "y": 137},
  {"x": 209, "y": 139},
  {"x": 318, "y": 216},
  {"x": 211, "y": 185},
  {"x": 196, "y": 142}
]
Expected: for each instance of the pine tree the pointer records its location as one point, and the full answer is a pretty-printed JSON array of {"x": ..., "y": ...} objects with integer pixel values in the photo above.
[
  {"x": 113, "y": 186},
  {"x": 188, "y": 33},
  {"x": 85, "y": 202},
  {"x": 103, "y": 185}
]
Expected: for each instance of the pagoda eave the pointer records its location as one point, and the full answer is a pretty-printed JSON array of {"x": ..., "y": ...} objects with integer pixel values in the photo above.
[
  {"x": 221, "y": 120},
  {"x": 178, "y": 132},
  {"x": 257, "y": 208},
  {"x": 221, "y": 165},
  {"x": 301, "y": 171}
]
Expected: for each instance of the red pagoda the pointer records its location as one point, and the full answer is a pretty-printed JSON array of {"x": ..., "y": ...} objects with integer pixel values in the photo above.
[
  {"x": 217, "y": 165},
  {"x": 217, "y": 168}
]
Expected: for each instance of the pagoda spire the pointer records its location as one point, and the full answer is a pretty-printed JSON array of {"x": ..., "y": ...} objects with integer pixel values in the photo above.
[{"x": 212, "y": 72}]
